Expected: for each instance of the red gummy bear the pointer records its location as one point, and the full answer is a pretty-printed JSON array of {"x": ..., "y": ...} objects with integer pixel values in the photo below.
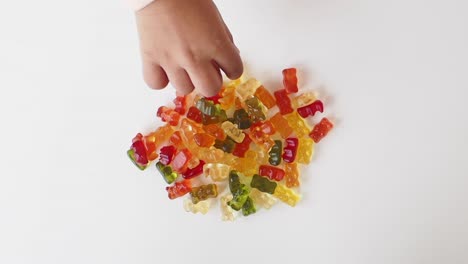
[
  {"x": 166, "y": 154},
  {"x": 179, "y": 189},
  {"x": 290, "y": 80},
  {"x": 290, "y": 149},
  {"x": 168, "y": 115},
  {"x": 273, "y": 173},
  {"x": 321, "y": 130},
  {"x": 311, "y": 109},
  {"x": 283, "y": 101},
  {"x": 194, "y": 172},
  {"x": 180, "y": 103}
]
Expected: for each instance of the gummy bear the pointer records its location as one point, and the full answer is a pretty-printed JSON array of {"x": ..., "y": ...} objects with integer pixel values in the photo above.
[
  {"x": 247, "y": 165},
  {"x": 305, "y": 150},
  {"x": 227, "y": 145},
  {"x": 298, "y": 124},
  {"x": 239, "y": 191},
  {"x": 290, "y": 80},
  {"x": 180, "y": 103},
  {"x": 201, "y": 207},
  {"x": 216, "y": 131},
  {"x": 287, "y": 195},
  {"x": 311, "y": 109},
  {"x": 281, "y": 125},
  {"x": 242, "y": 119},
  {"x": 283, "y": 101},
  {"x": 207, "y": 107},
  {"x": 303, "y": 99},
  {"x": 181, "y": 159},
  {"x": 262, "y": 199},
  {"x": 204, "y": 140},
  {"x": 176, "y": 140},
  {"x": 249, "y": 207},
  {"x": 241, "y": 148},
  {"x": 168, "y": 115},
  {"x": 217, "y": 171},
  {"x": 275, "y": 153},
  {"x": 215, "y": 98},
  {"x": 232, "y": 131},
  {"x": 226, "y": 210},
  {"x": 203, "y": 192},
  {"x": 194, "y": 114},
  {"x": 265, "y": 97},
  {"x": 259, "y": 133},
  {"x": 166, "y": 154},
  {"x": 255, "y": 109},
  {"x": 211, "y": 155},
  {"x": 137, "y": 152},
  {"x": 161, "y": 135},
  {"x": 167, "y": 173},
  {"x": 291, "y": 175},
  {"x": 178, "y": 189},
  {"x": 229, "y": 95},
  {"x": 218, "y": 118},
  {"x": 263, "y": 184},
  {"x": 290, "y": 149},
  {"x": 273, "y": 173},
  {"x": 247, "y": 89},
  {"x": 194, "y": 172},
  {"x": 321, "y": 130}
]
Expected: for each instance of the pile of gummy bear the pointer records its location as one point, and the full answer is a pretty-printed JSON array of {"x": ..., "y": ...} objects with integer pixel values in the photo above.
[{"x": 231, "y": 146}]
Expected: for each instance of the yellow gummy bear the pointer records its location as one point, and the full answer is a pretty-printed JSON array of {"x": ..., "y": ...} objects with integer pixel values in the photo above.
[
  {"x": 291, "y": 175},
  {"x": 304, "y": 99},
  {"x": 201, "y": 207},
  {"x": 247, "y": 89},
  {"x": 247, "y": 165},
  {"x": 210, "y": 155},
  {"x": 305, "y": 150},
  {"x": 227, "y": 213},
  {"x": 287, "y": 195},
  {"x": 233, "y": 131},
  {"x": 262, "y": 199},
  {"x": 296, "y": 122},
  {"x": 217, "y": 171}
]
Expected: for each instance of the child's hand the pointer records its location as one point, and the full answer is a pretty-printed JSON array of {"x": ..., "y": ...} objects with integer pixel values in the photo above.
[{"x": 187, "y": 43}]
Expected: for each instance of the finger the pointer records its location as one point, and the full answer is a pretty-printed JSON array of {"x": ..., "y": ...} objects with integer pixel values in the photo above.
[
  {"x": 154, "y": 76},
  {"x": 206, "y": 77},
  {"x": 228, "y": 32},
  {"x": 230, "y": 62},
  {"x": 180, "y": 79}
]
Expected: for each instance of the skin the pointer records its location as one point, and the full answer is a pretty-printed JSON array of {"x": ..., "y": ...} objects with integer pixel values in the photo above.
[{"x": 187, "y": 43}]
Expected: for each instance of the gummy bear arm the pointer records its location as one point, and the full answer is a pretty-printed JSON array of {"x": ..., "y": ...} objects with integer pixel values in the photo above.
[{"x": 136, "y": 5}]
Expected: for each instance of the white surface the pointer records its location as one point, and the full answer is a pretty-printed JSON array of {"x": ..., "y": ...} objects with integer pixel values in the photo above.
[{"x": 389, "y": 185}]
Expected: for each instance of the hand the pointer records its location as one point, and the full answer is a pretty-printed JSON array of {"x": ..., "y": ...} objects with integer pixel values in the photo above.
[{"x": 187, "y": 43}]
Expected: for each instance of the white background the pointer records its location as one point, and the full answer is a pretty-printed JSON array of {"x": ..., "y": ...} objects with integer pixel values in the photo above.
[{"x": 389, "y": 184}]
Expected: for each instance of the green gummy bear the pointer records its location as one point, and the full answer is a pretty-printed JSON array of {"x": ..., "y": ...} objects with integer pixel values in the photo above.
[
  {"x": 203, "y": 192},
  {"x": 227, "y": 145},
  {"x": 239, "y": 191},
  {"x": 219, "y": 118},
  {"x": 255, "y": 109},
  {"x": 242, "y": 119},
  {"x": 275, "y": 153},
  {"x": 239, "y": 197},
  {"x": 208, "y": 108},
  {"x": 167, "y": 173},
  {"x": 234, "y": 181},
  {"x": 249, "y": 207},
  {"x": 263, "y": 184}
]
